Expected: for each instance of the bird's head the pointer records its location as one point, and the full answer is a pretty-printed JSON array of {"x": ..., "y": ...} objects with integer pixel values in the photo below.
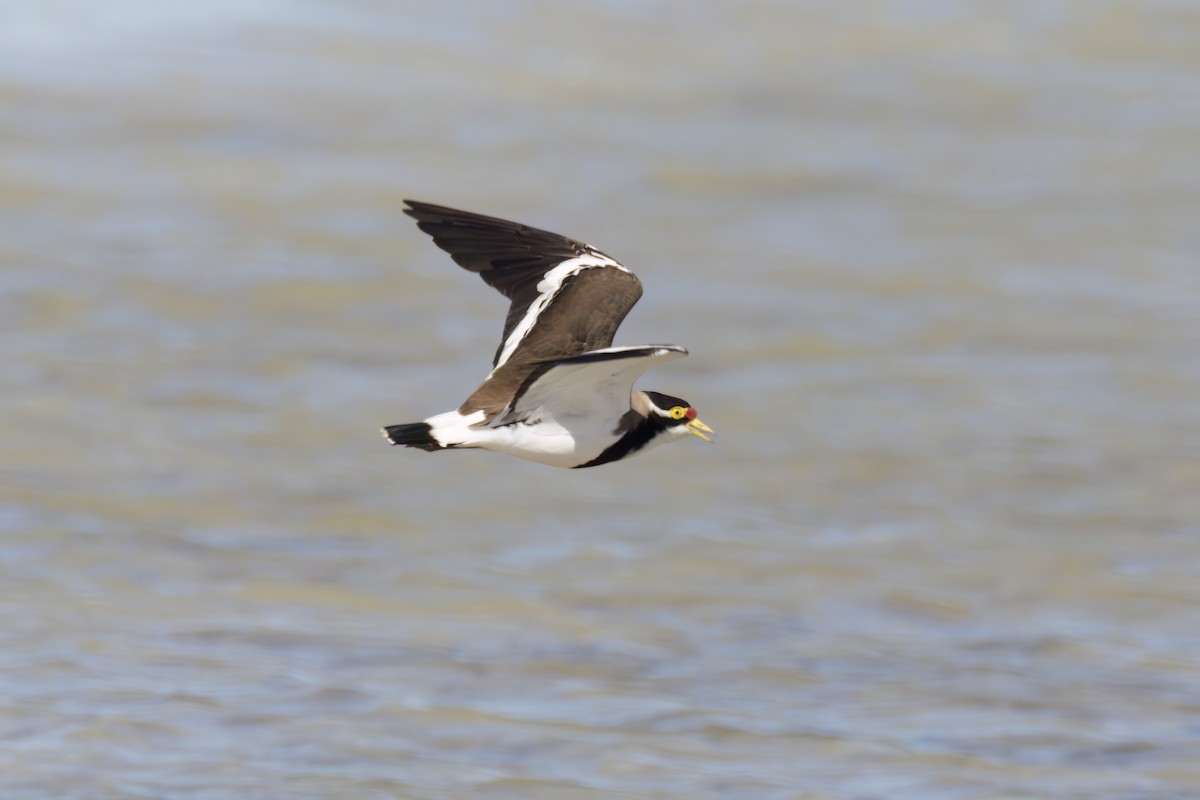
[{"x": 675, "y": 416}]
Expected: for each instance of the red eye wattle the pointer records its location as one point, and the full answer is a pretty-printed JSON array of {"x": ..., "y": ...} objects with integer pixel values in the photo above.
[{"x": 691, "y": 413}]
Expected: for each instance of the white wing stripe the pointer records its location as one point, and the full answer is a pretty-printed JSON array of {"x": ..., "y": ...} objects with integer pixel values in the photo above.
[{"x": 548, "y": 287}]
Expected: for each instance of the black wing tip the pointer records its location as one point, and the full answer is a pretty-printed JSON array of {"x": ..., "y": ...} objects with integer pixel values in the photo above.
[
  {"x": 432, "y": 212},
  {"x": 420, "y": 205},
  {"x": 429, "y": 215},
  {"x": 428, "y": 212}
]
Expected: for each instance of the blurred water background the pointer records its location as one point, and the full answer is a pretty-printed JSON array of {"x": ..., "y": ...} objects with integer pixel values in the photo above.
[{"x": 936, "y": 263}]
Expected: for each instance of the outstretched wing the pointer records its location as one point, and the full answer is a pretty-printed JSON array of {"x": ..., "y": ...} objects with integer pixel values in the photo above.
[
  {"x": 567, "y": 296},
  {"x": 595, "y": 384}
]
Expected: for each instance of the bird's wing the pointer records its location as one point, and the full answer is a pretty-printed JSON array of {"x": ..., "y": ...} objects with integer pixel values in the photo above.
[
  {"x": 593, "y": 384},
  {"x": 567, "y": 297}
]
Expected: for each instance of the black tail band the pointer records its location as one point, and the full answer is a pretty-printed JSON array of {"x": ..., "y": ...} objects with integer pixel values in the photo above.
[{"x": 412, "y": 434}]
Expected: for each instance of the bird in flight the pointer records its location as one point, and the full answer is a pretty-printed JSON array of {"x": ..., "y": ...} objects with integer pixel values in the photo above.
[{"x": 559, "y": 393}]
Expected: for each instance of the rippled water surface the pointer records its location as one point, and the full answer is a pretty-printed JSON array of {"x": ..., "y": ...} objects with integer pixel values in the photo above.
[{"x": 936, "y": 264}]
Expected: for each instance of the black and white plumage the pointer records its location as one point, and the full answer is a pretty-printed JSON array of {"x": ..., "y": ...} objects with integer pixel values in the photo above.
[{"x": 559, "y": 393}]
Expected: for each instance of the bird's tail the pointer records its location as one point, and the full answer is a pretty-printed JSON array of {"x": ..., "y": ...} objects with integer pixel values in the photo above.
[{"x": 413, "y": 434}]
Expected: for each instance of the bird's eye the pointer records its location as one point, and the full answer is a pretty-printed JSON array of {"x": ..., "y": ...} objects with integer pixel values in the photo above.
[{"x": 678, "y": 412}]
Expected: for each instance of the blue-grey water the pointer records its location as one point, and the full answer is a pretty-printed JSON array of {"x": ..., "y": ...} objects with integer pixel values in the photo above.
[{"x": 938, "y": 267}]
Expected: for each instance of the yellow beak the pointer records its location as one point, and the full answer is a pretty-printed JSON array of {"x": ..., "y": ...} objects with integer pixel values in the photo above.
[{"x": 698, "y": 428}]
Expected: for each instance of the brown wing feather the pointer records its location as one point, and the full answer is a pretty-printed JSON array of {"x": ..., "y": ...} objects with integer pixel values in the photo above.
[
  {"x": 509, "y": 256},
  {"x": 513, "y": 258},
  {"x": 583, "y": 316}
]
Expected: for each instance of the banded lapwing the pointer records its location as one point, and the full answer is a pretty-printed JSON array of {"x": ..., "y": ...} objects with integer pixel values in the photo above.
[{"x": 559, "y": 393}]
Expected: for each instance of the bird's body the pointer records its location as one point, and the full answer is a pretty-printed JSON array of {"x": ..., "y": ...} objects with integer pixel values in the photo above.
[{"x": 558, "y": 393}]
